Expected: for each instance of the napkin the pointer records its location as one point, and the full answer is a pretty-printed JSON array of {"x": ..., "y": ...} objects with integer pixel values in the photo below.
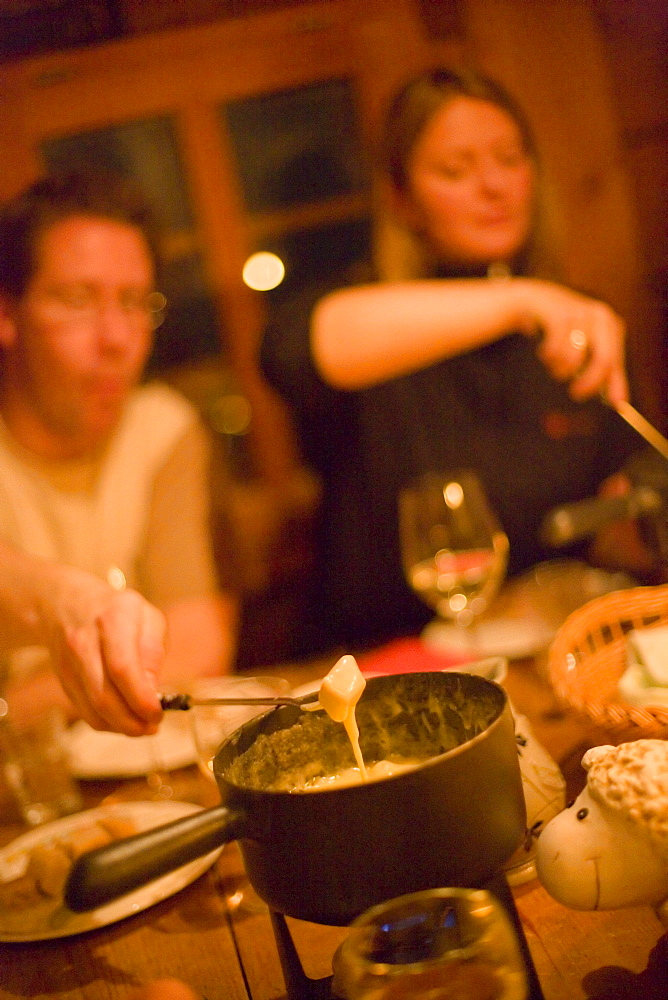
[
  {"x": 645, "y": 680},
  {"x": 403, "y": 656}
]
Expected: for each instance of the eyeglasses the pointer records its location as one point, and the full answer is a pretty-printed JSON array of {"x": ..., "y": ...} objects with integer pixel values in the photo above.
[{"x": 84, "y": 303}]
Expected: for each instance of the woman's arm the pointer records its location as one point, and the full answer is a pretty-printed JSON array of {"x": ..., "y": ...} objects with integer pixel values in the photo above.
[{"x": 368, "y": 334}]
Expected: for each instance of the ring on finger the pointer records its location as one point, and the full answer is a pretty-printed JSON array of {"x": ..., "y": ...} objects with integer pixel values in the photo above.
[{"x": 578, "y": 339}]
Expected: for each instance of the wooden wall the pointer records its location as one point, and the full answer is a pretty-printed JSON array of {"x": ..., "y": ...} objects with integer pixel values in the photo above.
[{"x": 635, "y": 35}]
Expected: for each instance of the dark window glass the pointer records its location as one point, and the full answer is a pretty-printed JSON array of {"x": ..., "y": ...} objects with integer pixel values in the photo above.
[
  {"x": 147, "y": 150},
  {"x": 28, "y": 28},
  {"x": 297, "y": 146},
  {"x": 339, "y": 250},
  {"x": 191, "y": 329}
]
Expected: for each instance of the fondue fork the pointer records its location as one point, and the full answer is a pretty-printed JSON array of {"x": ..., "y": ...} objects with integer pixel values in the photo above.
[
  {"x": 182, "y": 702},
  {"x": 643, "y": 427}
]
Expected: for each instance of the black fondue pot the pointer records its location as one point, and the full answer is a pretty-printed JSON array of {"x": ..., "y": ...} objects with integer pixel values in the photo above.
[{"x": 326, "y": 856}]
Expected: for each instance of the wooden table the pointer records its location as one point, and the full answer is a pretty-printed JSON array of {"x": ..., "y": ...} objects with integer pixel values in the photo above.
[{"x": 216, "y": 937}]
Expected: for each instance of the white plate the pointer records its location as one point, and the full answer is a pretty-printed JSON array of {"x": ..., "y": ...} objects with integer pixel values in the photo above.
[
  {"x": 304, "y": 689},
  {"x": 513, "y": 639},
  {"x": 94, "y": 754},
  {"x": 524, "y": 618},
  {"x": 52, "y": 920}
]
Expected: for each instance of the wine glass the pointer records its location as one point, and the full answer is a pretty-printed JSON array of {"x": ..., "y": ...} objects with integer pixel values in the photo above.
[
  {"x": 157, "y": 778},
  {"x": 454, "y": 551},
  {"x": 210, "y": 726},
  {"x": 435, "y": 943}
]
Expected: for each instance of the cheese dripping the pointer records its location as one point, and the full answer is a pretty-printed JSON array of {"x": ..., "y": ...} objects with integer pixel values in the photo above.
[{"x": 340, "y": 691}]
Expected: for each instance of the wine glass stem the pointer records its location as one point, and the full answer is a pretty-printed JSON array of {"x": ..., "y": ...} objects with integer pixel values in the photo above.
[
  {"x": 157, "y": 776},
  {"x": 471, "y": 631}
]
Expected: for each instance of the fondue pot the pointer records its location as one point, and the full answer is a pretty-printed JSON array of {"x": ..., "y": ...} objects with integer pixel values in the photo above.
[{"x": 328, "y": 855}]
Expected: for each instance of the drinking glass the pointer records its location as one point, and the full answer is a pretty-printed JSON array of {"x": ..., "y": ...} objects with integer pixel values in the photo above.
[
  {"x": 33, "y": 761},
  {"x": 439, "y": 944},
  {"x": 454, "y": 551},
  {"x": 211, "y": 724}
]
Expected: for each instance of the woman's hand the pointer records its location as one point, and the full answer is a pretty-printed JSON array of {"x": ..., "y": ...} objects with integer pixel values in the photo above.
[{"x": 582, "y": 339}]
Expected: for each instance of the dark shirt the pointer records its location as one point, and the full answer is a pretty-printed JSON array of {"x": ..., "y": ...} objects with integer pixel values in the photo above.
[{"x": 494, "y": 409}]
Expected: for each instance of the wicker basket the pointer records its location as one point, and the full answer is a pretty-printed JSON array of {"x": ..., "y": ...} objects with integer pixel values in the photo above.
[{"x": 589, "y": 655}]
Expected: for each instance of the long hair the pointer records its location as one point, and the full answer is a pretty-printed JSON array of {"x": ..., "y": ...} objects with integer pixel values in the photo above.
[{"x": 400, "y": 253}]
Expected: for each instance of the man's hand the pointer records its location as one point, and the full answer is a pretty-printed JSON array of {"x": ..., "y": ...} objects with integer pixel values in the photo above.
[
  {"x": 106, "y": 646},
  {"x": 107, "y": 649}
]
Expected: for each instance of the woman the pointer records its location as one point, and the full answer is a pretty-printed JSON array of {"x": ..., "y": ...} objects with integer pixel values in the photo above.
[{"x": 470, "y": 359}]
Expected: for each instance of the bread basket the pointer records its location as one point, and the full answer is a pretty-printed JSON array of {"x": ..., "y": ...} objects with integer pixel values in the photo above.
[{"x": 589, "y": 654}]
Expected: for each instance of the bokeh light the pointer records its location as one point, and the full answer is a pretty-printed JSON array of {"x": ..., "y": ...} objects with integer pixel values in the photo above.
[
  {"x": 263, "y": 271},
  {"x": 453, "y": 495}
]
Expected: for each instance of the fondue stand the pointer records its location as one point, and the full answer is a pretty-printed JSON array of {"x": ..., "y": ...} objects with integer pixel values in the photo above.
[{"x": 299, "y": 986}]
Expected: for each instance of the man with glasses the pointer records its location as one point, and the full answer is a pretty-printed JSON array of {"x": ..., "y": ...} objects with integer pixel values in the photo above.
[{"x": 99, "y": 473}]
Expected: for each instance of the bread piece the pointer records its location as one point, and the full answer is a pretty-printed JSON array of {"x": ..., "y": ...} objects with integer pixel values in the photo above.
[
  {"x": 118, "y": 827},
  {"x": 87, "y": 838},
  {"x": 20, "y": 894},
  {"x": 49, "y": 866}
]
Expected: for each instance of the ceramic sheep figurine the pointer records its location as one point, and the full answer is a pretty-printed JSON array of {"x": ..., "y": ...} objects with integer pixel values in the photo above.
[{"x": 610, "y": 848}]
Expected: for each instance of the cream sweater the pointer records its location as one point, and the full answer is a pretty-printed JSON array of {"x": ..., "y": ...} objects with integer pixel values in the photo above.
[{"x": 93, "y": 515}]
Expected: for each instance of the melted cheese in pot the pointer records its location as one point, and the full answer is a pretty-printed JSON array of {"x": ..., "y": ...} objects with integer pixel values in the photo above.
[{"x": 353, "y": 776}]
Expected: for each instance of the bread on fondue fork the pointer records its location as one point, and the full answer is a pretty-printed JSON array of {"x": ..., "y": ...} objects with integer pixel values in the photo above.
[{"x": 339, "y": 692}]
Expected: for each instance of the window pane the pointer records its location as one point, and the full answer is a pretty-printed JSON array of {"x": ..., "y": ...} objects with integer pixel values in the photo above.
[
  {"x": 146, "y": 150},
  {"x": 50, "y": 25},
  {"x": 191, "y": 329},
  {"x": 297, "y": 146}
]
